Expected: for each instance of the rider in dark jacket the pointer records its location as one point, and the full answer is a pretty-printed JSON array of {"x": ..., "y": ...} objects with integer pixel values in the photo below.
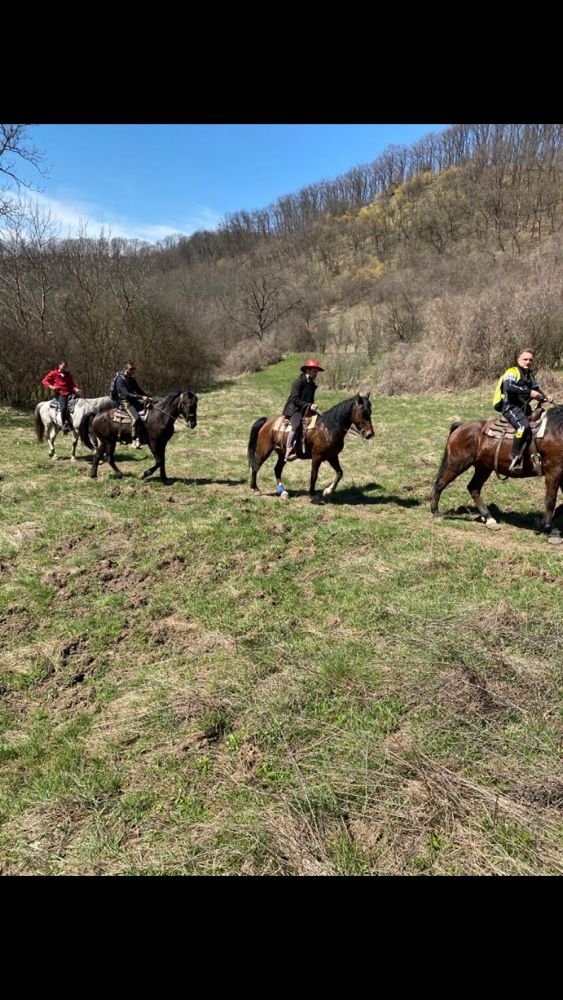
[
  {"x": 300, "y": 402},
  {"x": 131, "y": 397}
]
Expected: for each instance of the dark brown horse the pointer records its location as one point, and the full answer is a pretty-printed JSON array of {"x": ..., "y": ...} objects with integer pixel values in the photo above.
[
  {"x": 155, "y": 431},
  {"x": 322, "y": 444},
  {"x": 467, "y": 445}
]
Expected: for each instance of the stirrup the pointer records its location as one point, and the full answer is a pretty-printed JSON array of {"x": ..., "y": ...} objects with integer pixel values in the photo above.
[
  {"x": 290, "y": 455},
  {"x": 517, "y": 463}
]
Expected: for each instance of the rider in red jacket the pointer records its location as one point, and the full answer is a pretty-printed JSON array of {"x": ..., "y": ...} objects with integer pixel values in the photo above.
[{"x": 62, "y": 383}]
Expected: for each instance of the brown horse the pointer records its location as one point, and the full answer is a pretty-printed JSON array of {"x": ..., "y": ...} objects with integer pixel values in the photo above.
[
  {"x": 155, "y": 431},
  {"x": 322, "y": 444},
  {"x": 467, "y": 445}
]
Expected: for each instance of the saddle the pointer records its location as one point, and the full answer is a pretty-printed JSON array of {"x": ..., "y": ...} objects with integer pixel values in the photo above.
[
  {"x": 500, "y": 428},
  {"x": 122, "y": 418},
  {"x": 282, "y": 427}
]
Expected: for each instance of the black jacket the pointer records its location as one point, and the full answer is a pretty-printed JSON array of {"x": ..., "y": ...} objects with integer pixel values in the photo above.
[
  {"x": 301, "y": 396},
  {"x": 517, "y": 391},
  {"x": 128, "y": 388}
]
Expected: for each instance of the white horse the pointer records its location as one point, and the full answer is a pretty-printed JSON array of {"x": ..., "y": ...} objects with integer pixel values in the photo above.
[{"x": 48, "y": 421}]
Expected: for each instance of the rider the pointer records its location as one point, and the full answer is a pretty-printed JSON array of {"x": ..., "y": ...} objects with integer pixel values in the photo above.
[
  {"x": 300, "y": 402},
  {"x": 61, "y": 382},
  {"x": 512, "y": 398},
  {"x": 130, "y": 396}
]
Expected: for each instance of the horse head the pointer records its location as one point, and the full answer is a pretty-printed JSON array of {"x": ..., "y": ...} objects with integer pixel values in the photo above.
[
  {"x": 187, "y": 406},
  {"x": 361, "y": 416}
]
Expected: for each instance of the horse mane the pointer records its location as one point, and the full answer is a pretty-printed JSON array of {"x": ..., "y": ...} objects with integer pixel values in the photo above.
[
  {"x": 337, "y": 416},
  {"x": 170, "y": 397},
  {"x": 555, "y": 418}
]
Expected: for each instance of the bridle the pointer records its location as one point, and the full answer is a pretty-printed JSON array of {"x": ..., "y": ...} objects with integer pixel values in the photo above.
[{"x": 155, "y": 406}]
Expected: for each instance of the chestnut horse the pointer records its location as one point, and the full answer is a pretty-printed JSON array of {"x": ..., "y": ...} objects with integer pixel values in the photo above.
[
  {"x": 322, "y": 444},
  {"x": 467, "y": 446}
]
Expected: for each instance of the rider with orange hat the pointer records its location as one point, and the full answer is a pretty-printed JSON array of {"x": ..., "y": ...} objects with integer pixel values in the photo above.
[{"x": 300, "y": 402}]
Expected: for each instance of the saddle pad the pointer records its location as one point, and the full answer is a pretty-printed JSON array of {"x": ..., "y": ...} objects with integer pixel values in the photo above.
[
  {"x": 541, "y": 426},
  {"x": 499, "y": 427},
  {"x": 281, "y": 424},
  {"x": 72, "y": 401}
]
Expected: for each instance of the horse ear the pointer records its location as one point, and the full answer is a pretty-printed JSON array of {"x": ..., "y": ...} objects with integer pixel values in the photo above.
[
  {"x": 368, "y": 394},
  {"x": 358, "y": 398}
]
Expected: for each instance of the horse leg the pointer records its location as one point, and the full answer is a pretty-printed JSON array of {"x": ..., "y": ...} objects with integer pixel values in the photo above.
[
  {"x": 74, "y": 443},
  {"x": 446, "y": 475},
  {"x": 474, "y": 486},
  {"x": 315, "y": 465},
  {"x": 162, "y": 453},
  {"x": 51, "y": 435},
  {"x": 553, "y": 480},
  {"x": 261, "y": 456},
  {"x": 339, "y": 473},
  {"x": 279, "y": 469},
  {"x": 159, "y": 464},
  {"x": 111, "y": 459},
  {"x": 99, "y": 454}
]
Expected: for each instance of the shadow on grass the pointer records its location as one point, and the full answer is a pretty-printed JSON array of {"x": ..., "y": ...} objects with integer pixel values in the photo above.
[
  {"x": 360, "y": 496},
  {"x": 528, "y": 521},
  {"x": 194, "y": 481}
]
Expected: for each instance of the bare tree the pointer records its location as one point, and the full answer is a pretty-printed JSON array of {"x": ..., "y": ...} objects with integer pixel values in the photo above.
[{"x": 16, "y": 148}]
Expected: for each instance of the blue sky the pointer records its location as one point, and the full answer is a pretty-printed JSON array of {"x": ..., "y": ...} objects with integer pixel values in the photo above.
[{"x": 150, "y": 181}]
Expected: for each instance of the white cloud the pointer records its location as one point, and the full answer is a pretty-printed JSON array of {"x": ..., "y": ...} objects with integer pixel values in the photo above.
[{"x": 73, "y": 215}]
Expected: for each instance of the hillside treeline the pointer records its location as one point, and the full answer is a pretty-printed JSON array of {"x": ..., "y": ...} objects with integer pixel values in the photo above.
[{"x": 427, "y": 267}]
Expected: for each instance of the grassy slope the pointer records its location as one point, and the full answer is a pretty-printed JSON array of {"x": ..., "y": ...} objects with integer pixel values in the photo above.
[{"x": 197, "y": 680}]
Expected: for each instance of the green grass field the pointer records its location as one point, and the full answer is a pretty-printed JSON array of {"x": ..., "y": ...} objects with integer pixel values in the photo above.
[{"x": 197, "y": 680}]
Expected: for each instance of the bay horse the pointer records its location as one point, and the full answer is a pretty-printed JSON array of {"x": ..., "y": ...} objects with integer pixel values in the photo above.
[
  {"x": 48, "y": 421},
  {"x": 155, "y": 431},
  {"x": 468, "y": 445},
  {"x": 322, "y": 444}
]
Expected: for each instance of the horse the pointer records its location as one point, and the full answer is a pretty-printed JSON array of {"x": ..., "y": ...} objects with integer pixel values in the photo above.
[
  {"x": 155, "y": 431},
  {"x": 468, "y": 445},
  {"x": 48, "y": 421},
  {"x": 322, "y": 443}
]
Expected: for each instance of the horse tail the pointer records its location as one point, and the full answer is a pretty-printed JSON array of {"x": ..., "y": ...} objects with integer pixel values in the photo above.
[
  {"x": 84, "y": 430},
  {"x": 444, "y": 462},
  {"x": 252, "y": 441},
  {"x": 39, "y": 426}
]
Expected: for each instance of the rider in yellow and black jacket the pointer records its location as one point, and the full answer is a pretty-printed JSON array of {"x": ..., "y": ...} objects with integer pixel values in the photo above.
[{"x": 513, "y": 393}]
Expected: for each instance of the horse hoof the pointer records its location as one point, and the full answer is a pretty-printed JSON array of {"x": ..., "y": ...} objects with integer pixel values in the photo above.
[
  {"x": 492, "y": 524},
  {"x": 555, "y": 537},
  {"x": 327, "y": 493},
  {"x": 436, "y": 515}
]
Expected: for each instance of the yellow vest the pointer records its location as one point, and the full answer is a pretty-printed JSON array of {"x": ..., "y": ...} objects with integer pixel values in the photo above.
[{"x": 499, "y": 394}]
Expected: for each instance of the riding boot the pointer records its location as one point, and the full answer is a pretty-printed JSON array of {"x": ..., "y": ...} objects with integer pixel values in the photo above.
[
  {"x": 290, "y": 454},
  {"x": 517, "y": 452}
]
